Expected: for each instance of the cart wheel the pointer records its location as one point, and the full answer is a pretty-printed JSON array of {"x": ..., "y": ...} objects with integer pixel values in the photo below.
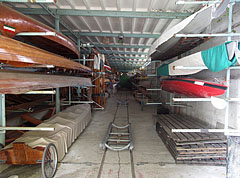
[{"x": 49, "y": 161}]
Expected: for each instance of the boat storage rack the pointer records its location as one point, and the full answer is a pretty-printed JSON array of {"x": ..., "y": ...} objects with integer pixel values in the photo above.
[{"x": 116, "y": 140}]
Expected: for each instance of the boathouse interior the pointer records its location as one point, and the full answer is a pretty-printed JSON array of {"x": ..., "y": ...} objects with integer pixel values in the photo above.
[{"x": 119, "y": 88}]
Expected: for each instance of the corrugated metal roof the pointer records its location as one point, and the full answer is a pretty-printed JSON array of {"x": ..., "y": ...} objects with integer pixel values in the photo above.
[{"x": 129, "y": 23}]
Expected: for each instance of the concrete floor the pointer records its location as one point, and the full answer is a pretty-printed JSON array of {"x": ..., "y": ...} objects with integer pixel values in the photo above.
[{"x": 151, "y": 158}]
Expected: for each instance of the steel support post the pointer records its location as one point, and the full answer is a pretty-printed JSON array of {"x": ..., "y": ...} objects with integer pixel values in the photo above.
[
  {"x": 2, "y": 120},
  {"x": 233, "y": 155},
  {"x": 233, "y": 146},
  {"x": 79, "y": 44},
  {"x": 57, "y": 21},
  {"x": 69, "y": 95},
  {"x": 58, "y": 103}
]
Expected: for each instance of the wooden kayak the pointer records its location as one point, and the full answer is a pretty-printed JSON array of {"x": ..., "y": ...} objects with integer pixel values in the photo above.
[
  {"x": 192, "y": 87},
  {"x": 20, "y": 54},
  {"x": 13, "y": 22},
  {"x": 12, "y": 82}
]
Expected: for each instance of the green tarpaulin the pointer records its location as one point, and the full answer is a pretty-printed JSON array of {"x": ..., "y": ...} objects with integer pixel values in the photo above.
[{"x": 216, "y": 58}]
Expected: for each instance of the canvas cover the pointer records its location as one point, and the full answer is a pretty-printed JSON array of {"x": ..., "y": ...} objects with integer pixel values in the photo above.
[{"x": 68, "y": 124}]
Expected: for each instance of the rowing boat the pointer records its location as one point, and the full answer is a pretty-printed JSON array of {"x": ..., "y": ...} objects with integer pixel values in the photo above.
[
  {"x": 168, "y": 46},
  {"x": 192, "y": 87},
  {"x": 13, "y": 82},
  {"x": 12, "y": 23},
  {"x": 215, "y": 59},
  {"x": 20, "y": 54}
]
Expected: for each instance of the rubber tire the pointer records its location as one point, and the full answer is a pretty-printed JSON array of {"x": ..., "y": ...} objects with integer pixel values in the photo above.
[{"x": 43, "y": 162}]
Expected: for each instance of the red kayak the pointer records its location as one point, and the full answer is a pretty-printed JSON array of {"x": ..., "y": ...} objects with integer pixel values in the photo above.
[{"x": 192, "y": 87}]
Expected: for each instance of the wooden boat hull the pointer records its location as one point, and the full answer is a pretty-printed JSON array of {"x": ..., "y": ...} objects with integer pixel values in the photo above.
[
  {"x": 192, "y": 87},
  {"x": 19, "y": 54},
  {"x": 13, "y": 22},
  {"x": 18, "y": 82}
]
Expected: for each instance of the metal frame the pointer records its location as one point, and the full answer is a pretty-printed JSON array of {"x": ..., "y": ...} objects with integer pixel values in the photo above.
[
  {"x": 28, "y": 128},
  {"x": 228, "y": 73},
  {"x": 2, "y": 119},
  {"x": 30, "y": 1},
  {"x": 104, "y": 34},
  {"x": 44, "y": 92},
  {"x": 36, "y": 34},
  {"x": 104, "y": 13},
  {"x": 106, "y": 139}
]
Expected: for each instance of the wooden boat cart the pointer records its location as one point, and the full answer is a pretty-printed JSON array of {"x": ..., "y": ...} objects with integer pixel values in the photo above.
[{"x": 21, "y": 154}]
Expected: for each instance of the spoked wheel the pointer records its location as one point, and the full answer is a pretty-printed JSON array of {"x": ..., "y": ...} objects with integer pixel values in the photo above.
[{"x": 49, "y": 161}]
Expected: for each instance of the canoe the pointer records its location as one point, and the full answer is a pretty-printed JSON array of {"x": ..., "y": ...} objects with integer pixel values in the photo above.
[
  {"x": 12, "y": 82},
  {"x": 168, "y": 46},
  {"x": 215, "y": 59},
  {"x": 13, "y": 22},
  {"x": 192, "y": 87},
  {"x": 20, "y": 54}
]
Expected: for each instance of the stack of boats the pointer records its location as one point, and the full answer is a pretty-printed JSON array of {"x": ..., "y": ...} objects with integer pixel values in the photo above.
[
  {"x": 36, "y": 46},
  {"x": 187, "y": 147},
  {"x": 215, "y": 59},
  {"x": 45, "y": 46}
]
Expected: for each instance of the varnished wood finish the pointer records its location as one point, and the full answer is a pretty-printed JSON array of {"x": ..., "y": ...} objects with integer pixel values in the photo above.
[
  {"x": 21, "y": 154},
  {"x": 17, "y": 82},
  {"x": 58, "y": 44},
  {"x": 19, "y": 54}
]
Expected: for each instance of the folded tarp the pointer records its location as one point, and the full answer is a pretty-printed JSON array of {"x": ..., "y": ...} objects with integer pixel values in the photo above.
[
  {"x": 215, "y": 59},
  {"x": 68, "y": 124}
]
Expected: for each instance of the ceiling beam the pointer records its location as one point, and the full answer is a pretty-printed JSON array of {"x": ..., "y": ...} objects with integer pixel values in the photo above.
[
  {"x": 124, "y": 57},
  {"x": 121, "y": 46},
  {"x": 127, "y": 62},
  {"x": 122, "y": 52},
  {"x": 125, "y": 35},
  {"x": 104, "y": 13},
  {"x": 53, "y": 14}
]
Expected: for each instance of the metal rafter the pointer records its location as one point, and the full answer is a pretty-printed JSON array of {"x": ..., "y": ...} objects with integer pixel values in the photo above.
[
  {"x": 122, "y": 52},
  {"x": 104, "y": 34},
  {"x": 107, "y": 13},
  {"x": 124, "y": 57},
  {"x": 51, "y": 12},
  {"x": 121, "y": 46},
  {"x": 125, "y": 61}
]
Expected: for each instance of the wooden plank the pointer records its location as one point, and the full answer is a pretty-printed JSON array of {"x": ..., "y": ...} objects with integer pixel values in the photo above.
[
  {"x": 190, "y": 148},
  {"x": 31, "y": 119}
]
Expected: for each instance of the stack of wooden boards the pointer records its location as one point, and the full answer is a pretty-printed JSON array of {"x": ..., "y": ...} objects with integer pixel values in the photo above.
[{"x": 191, "y": 148}]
